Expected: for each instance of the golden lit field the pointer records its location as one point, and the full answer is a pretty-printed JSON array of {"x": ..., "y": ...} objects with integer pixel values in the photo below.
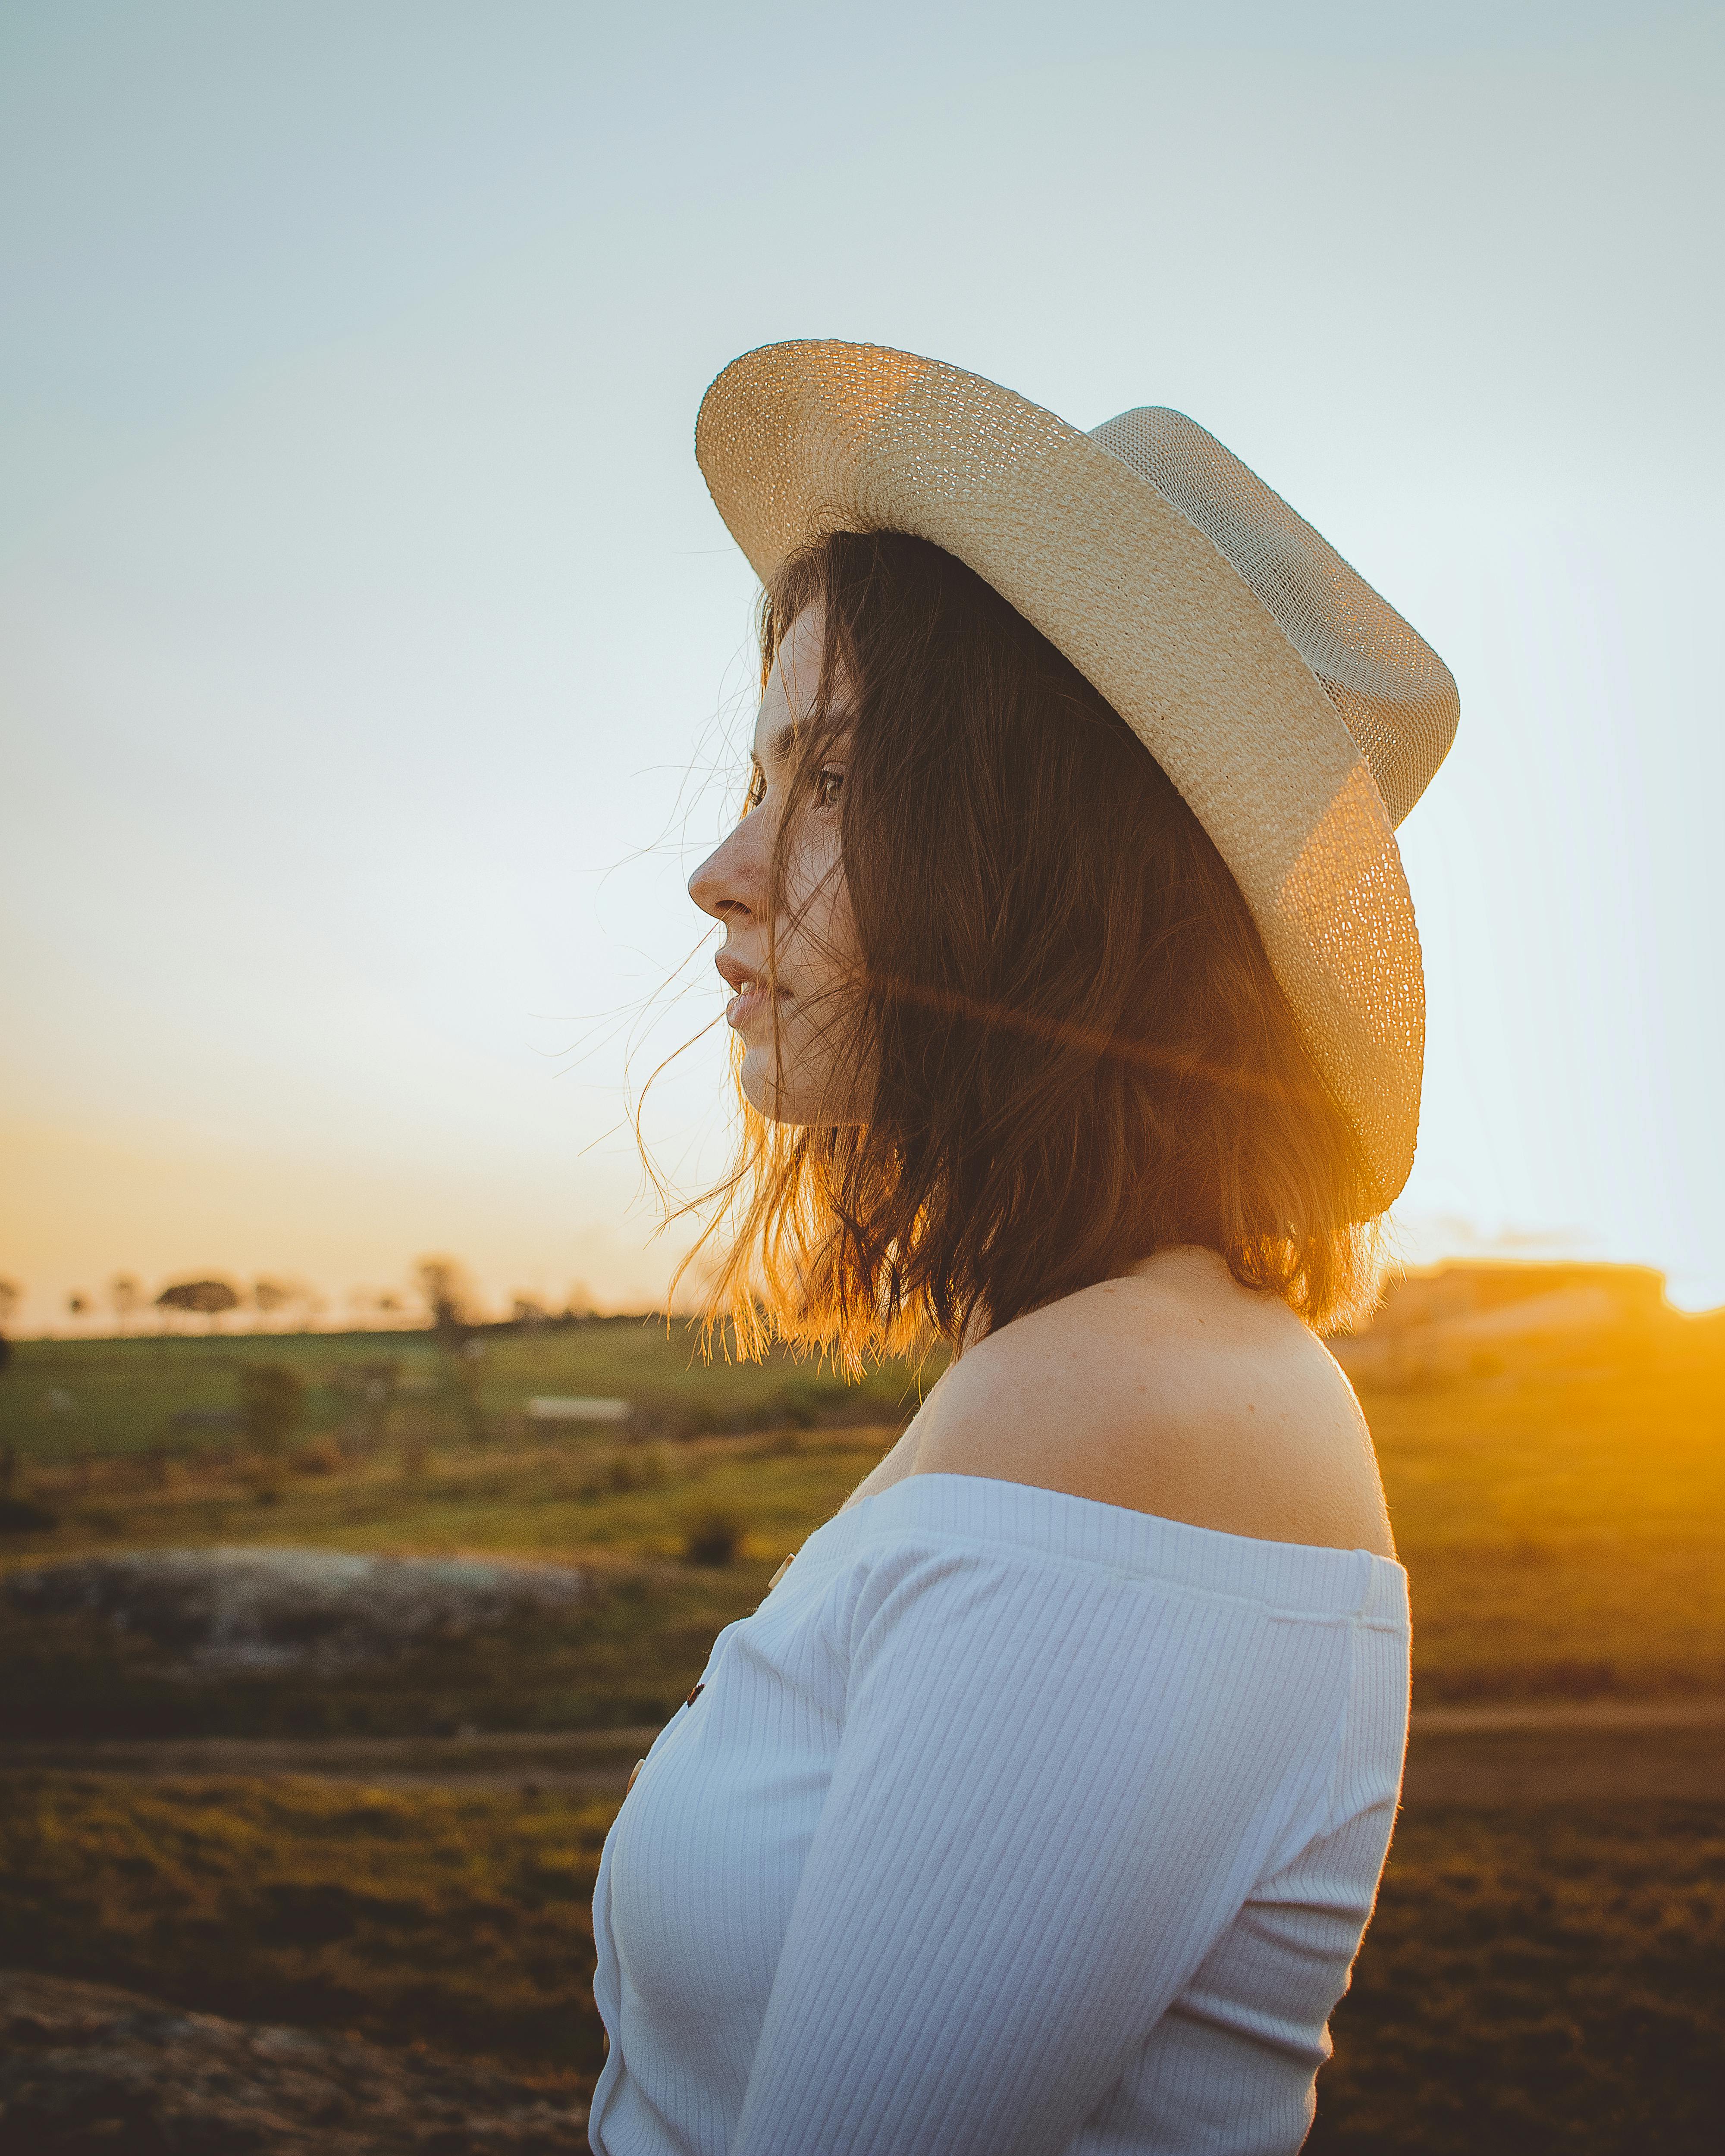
[
  {"x": 1543, "y": 1972},
  {"x": 1561, "y": 1519}
]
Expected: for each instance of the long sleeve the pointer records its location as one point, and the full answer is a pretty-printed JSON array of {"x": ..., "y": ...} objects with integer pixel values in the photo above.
[
  {"x": 1008, "y": 1824},
  {"x": 1054, "y": 1785}
]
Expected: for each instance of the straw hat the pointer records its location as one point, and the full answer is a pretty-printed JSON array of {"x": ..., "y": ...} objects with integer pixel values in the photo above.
[{"x": 1298, "y": 713}]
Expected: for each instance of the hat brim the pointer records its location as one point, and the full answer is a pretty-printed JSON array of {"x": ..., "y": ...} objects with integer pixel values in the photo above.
[{"x": 800, "y": 440}]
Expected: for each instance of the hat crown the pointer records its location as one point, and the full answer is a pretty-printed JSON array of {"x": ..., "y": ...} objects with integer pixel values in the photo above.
[{"x": 1394, "y": 694}]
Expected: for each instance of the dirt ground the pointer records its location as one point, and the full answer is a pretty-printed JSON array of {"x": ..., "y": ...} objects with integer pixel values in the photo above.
[{"x": 1582, "y": 1751}]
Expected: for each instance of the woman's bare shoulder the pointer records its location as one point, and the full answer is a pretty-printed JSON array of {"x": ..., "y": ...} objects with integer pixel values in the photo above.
[{"x": 1174, "y": 1391}]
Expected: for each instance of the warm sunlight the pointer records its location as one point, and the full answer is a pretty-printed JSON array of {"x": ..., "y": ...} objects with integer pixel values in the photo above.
[
  {"x": 861, "y": 1281},
  {"x": 365, "y": 621}
]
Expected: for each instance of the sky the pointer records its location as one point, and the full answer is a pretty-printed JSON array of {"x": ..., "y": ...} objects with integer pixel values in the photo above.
[{"x": 373, "y": 663}]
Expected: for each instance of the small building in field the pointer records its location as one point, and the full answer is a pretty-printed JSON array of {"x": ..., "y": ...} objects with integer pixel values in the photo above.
[{"x": 1449, "y": 1320}]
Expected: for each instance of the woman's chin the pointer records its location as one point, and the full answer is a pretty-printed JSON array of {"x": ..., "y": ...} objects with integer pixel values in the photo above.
[
  {"x": 760, "y": 1084},
  {"x": 787, "y": 1097}
]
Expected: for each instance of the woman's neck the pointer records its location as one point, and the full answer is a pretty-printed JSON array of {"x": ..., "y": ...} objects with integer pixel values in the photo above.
[{"x": 1192, "y": 1263}]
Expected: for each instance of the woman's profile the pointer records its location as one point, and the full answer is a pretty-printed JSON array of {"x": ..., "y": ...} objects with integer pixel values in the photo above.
[{"x": 1078, "y": 1014}]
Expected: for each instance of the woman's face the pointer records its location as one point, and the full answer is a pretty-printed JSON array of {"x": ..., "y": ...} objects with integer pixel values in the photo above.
[{"x": 798, "y": 1064}]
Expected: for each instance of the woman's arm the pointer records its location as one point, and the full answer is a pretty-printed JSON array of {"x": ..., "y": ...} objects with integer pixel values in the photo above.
[{"x": 1055, "y": 1786}]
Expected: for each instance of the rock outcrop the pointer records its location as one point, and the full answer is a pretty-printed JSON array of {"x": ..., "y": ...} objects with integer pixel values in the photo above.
[
  {"x": 224, "y": 1610},
  {"x": 84, "y": 2069}
]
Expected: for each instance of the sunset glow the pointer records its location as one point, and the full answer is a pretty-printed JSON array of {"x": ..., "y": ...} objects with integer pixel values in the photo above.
[{"x": 373, "y": 658}]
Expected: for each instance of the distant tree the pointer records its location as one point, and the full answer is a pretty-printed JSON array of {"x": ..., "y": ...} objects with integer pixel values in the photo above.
[
  {"x": 270, "y": 1296},
  {"x": 270, "y": 1397},
  {"x": 369, "y": 1303},
  {"x": 77, "y": 1303},
  {"x": 206, "y": 1298},
  {"x": 448, "y": 1294},
  {"x": 528, "y": 1310},
  {"x": 126, "y": 1297},
  {"x": 10, "y": 1296}
]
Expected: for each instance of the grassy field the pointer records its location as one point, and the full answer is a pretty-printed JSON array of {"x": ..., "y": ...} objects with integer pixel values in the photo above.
[
  {"x": 626, "y": 1654},
  {"x": 460, "y": 1920},
  {"x": 1533, "y": 1981},
  {"x": 1560, "y": 1521},
  {"x": 98, "y": 1398},
  {"x": 1538, "y": 1976}
]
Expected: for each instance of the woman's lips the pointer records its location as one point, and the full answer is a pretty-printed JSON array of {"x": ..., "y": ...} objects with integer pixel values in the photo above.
[
  {"x": 752, "y": 993},
  {"x": 747, "y": 1004}
]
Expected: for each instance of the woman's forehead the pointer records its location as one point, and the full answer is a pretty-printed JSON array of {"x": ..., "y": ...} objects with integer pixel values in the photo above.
[
  {"x": 783, "y": 709},
  {"x": 793, "y": 687},
  {"x": 794, "y": 680}
]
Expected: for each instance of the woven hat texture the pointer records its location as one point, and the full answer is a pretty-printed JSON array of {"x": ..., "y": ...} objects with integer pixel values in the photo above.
[{"x": 1298, "y": 714}]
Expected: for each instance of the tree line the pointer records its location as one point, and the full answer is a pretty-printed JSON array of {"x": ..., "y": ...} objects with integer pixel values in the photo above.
[{"x": 441, "y": 1287}]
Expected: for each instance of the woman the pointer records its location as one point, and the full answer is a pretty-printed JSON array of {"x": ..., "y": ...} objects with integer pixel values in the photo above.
[{"x": 1041, "y": 1805}]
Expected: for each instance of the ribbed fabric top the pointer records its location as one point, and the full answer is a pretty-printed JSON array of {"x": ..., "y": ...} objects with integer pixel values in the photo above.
[{"x": 1009, "y": 1823}]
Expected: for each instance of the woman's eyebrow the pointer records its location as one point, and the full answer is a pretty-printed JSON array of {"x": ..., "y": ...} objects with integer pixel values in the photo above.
[{"x": 780, "y": 745}]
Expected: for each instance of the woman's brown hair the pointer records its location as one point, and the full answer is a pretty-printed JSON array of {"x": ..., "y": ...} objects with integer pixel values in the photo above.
[{"x": 1077, "y": 1052}]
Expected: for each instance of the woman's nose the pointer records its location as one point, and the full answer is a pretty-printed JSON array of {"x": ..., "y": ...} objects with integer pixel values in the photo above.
[{"x": 726, "y": 883}]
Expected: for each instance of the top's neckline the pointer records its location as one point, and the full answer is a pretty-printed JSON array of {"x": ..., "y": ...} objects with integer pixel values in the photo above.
[{"x": 1311, "y": 1576}]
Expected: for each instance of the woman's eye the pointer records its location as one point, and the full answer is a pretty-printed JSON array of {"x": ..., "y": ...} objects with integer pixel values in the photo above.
[
  {"x": 758, "y": 788},
  {"x": 828, "y": 785}
]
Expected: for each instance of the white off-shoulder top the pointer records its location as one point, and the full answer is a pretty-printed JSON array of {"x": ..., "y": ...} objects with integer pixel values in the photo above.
[{"x": 1009, "y": 1823}]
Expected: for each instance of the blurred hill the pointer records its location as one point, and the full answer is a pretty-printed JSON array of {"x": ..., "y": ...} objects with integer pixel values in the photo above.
[{"x": 1441, "y": 1321}]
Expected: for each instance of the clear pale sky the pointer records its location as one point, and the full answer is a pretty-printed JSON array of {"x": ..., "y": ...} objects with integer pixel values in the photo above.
[{"x": 369, "y": 648}]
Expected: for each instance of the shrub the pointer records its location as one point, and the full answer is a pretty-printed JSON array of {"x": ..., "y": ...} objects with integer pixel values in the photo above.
[
  {"x": 321, "y": 1456},
  {"x": 711, "y": 1536},
  {"x": 19, "y": 1516},
  {"x": 678, "y": 1419}
]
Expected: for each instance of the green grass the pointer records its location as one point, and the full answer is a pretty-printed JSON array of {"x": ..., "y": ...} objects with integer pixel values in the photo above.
[
  {"x": 1561, "y": 1521},
  {"x": 125, "y": 1393},
  {"x": 627, "y": 1653},
  {"x": 1547, "y": 1980}
]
